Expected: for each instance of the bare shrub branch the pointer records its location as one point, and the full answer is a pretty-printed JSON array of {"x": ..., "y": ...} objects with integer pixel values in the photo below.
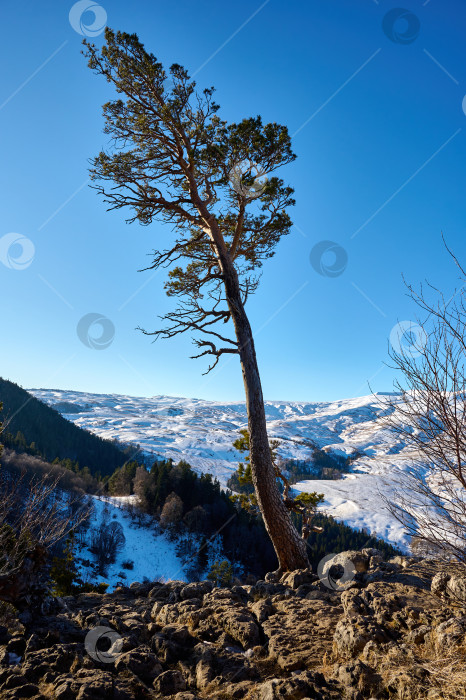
[{"x": 429, "y": 415}]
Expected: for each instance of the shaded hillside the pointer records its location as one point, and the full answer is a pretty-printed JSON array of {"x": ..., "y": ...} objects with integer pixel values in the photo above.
[{"x": 32, "y": 426}]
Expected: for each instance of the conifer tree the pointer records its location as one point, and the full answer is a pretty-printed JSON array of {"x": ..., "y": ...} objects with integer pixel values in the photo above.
[{"x": 174, "y": 160}]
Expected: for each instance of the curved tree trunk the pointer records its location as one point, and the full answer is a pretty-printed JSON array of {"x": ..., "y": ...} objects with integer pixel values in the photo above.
[{"x": 289, "y": 546}]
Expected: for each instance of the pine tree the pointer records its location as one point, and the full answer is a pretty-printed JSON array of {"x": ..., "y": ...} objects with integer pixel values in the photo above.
[
  {"x": 63, "y": 570},
  {"x": 175, "y": 160}
]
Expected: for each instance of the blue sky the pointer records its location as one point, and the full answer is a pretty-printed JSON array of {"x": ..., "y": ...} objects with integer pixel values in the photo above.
[{"x": 380, "y": 134}]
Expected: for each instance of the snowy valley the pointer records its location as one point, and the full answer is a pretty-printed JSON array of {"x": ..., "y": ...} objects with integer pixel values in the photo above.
[{"x": 202, "y": 432}]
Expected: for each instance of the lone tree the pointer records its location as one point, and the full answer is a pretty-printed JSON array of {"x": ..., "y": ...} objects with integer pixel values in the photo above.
[{"x": 173, "y": 159}]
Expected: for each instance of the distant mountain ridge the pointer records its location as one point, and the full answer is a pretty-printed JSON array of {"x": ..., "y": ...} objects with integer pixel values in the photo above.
[{"x": 202, "y": 433}]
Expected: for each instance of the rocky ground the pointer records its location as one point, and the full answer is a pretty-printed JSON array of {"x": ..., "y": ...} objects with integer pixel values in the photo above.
[{"x": 397, "y": 629}]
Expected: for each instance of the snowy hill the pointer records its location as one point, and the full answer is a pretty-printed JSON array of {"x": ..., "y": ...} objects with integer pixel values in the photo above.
[{"x": 202, "y": 433}]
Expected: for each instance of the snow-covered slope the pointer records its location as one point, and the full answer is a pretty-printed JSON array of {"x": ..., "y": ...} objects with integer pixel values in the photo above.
[
  {"x": 202, "y": 433},
  {"x": 151, "y": 552}
]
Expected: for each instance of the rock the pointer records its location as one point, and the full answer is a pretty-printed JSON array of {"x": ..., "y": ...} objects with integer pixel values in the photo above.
[
  {"x": 142, "y": 662},
  {"x": 262, "y": 609},
  {"x": 59, "y": 658},
  {"x": 179, "y": 634},
  {"x": 64, "y": 690},
  {"x": 242, "y": 627},
  {"x": 262, "y": 589},
  {"x": 402, "y": 562},
  {"x": 196, "y": 590},
  {"x": 27, "y": 690},
  {"x": 169, "y": 683},
  {"x": 180, "y": 613},
  {"x": 205, "y": 669},
  {"x": 295, "y": 579},
  {"x": 33, "y": 644},
  {"x": 304, "y": 685},
  {"x": 352, "y": 635},
  {"x": 359, "y": 560},
  {"x": 372, "y": 552},
  {"x": 359, "y": 676},
  {"x": 353, "y": 603},
  {"x": 375, "y": 561},
  {"x": 94, "y": 684},
  {"x": 272, "y": 577},
  {"x": 248, "y": 642},
  {"x": 450, "y": 587},
  {"x": 154, "y": 591},
  {"x": 15, "y": 680},
  {"x": 296, "y": 631},
  {"x": 449, "y": 633},
  {"x": 418, "y": 635}
]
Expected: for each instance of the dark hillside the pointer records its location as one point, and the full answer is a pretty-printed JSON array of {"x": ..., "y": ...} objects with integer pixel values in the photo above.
[{"x": 32, "y": 426}]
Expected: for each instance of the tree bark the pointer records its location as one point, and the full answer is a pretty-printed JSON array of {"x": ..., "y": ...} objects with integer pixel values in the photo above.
[{"x": 289, "y": 546}]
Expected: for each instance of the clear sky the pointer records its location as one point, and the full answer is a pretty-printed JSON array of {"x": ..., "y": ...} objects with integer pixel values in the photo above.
[{"x": 375, "y": 100}]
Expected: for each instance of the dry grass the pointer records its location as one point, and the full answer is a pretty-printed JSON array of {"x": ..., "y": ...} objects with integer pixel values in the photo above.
[
  {"x": 447, "y": 670},
  {"x": 403, "y": 675}
]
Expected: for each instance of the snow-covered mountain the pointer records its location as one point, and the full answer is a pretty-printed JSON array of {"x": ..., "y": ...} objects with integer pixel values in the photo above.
[{"x": 202, "y": 433}]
